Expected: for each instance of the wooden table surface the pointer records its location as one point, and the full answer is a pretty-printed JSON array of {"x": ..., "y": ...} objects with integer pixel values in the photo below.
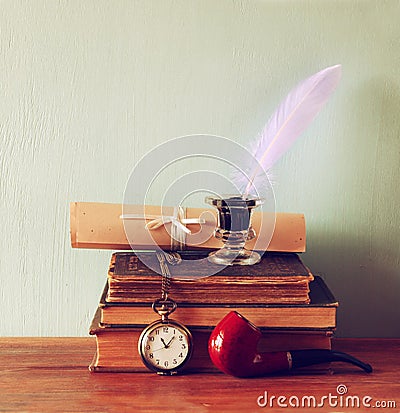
[{"x": 51, "y": 375}]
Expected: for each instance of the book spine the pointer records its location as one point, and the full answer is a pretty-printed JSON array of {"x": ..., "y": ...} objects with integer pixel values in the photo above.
[
  {"x": 117, "y": 348},
  {"x": 285, "y": 317}
]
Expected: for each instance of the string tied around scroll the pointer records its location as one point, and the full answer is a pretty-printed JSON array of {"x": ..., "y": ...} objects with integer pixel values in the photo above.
[{"x": 178, "y": 223}]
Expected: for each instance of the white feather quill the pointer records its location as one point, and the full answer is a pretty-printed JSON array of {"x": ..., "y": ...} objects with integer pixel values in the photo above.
[{"x": 290, "y": 119}]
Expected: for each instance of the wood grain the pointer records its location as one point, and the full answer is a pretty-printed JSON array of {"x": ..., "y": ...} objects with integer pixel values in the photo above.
[{"x": 51, "y": 375}]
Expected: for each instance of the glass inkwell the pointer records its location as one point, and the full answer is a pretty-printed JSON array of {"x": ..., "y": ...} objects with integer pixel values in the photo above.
[{"x": 234, "y": 229}]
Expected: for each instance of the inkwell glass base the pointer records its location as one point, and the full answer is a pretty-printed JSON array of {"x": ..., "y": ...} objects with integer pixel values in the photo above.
[{"x": 234, "y": 230}]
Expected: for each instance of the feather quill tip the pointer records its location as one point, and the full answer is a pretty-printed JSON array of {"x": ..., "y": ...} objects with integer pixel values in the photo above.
[{"x": 287, "y": 123}]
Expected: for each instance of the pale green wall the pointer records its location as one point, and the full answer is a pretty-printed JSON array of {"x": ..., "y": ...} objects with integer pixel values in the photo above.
[{"x": 89, "y": 87}]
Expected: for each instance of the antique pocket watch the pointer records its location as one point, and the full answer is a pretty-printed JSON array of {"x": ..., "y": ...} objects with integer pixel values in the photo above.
[{"x": 165, "y": 345}]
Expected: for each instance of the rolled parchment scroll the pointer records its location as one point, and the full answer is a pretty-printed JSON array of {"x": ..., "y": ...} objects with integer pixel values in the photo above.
[{"x": 99, "y": 226}]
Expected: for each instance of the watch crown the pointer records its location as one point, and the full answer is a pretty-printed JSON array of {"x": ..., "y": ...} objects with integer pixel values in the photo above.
[{"x": 164, "y": 307}]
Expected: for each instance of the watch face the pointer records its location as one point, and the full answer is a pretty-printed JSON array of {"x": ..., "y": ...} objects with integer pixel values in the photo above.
[{"x": 165, "y": 346}]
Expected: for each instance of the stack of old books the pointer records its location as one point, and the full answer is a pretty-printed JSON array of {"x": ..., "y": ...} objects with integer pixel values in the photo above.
[{"x": 294, "y": 308}]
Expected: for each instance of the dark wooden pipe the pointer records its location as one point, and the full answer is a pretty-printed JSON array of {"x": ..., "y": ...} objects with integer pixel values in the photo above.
[{"x": 233, "y": 349}]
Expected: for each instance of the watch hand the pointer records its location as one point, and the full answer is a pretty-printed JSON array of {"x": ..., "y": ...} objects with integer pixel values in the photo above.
[
  {"x": 158, "y": 349},
  {"x": 169, "y": 342},
  {"x": 164, "y": 344}
]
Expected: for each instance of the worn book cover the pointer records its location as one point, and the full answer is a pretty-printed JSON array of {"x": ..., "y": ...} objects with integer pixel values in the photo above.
[
  {"x": 278, "y": 278},
  {"x": 319, "y": 313},
  {"x": 117, "y": 347}
]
